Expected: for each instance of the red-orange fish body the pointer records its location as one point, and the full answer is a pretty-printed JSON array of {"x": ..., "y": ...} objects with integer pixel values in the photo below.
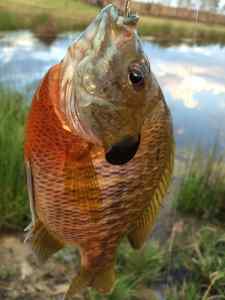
[{"x": 89, "y": 194}]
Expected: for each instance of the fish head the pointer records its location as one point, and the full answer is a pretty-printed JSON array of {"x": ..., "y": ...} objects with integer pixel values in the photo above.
[{"x": 106, "y": 85}]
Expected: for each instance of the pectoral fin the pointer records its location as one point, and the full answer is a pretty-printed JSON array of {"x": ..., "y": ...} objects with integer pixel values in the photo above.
[
  {"x": 42, "y": 242},
  {"x": 141, "y": 231},
  {"x": 30, "y": 188},
  {"x": 145, "y": 223}
]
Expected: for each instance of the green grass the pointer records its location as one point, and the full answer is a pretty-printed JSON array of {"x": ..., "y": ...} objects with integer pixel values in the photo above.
[
  {"x": 13, "y": 197},
  {"x": 202, "y": 191},
  {"x": 8, "y": 273},
  {"x": 192, "y": 269},
  {"x": 176, "y": 30},
  {"x": 187, "y": 291},
  {"x": 146, "y": 265},
  {"x": 207, "y": 260},
  {"x": 201, "y": 252},
  {"x": 67, "y": 15}
]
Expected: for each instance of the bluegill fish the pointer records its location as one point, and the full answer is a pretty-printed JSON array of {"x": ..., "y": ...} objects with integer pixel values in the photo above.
[{"x": 99, "y": 150}]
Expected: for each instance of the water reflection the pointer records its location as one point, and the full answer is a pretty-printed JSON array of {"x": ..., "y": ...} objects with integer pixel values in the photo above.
[
  {"x": 192, "y": 78},
  {"x": 24, "y": 58}
]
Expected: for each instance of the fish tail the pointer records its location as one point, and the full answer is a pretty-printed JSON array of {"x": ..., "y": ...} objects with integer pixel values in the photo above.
[
  {"x": 42, "y": 242},
  {"x": 79, "y": 282},
  {"x": 103, "y": 281}
]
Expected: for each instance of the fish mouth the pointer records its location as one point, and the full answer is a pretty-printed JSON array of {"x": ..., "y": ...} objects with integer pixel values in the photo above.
[{"x": 122, "y": 152}]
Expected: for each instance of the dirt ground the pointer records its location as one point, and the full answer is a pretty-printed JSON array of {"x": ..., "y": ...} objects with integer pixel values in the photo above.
[{"x": 21, "y": 278}]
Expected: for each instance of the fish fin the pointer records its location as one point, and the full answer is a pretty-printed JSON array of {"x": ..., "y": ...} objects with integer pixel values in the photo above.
[
  {"x": 79, "y": 282},
  {"x": 43, "y": 243},
  {"x": 143, "y": 227},
  {"x": 30, "y": 188},
  {"x": 139, "y": 234},
  {"x": 104, "y": 280}
]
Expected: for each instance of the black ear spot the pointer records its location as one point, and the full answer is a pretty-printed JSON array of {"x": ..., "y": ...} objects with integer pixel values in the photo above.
[{"x": 122, "y": 152}]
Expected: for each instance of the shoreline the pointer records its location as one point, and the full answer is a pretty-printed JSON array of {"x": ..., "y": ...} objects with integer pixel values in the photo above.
[{"x": 61, "y": 16}]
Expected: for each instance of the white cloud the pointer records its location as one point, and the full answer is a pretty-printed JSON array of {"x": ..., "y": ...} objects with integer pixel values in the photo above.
[{"x": 184, "y": 82}]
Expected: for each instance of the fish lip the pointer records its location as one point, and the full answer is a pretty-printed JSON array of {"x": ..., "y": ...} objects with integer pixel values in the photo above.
[{"x": 122, "y": 152}]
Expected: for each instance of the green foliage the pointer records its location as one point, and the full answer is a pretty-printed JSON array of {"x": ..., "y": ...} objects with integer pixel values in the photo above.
[
  {"x": 202, "y": 191},
  {"x": 65, "y": 15},
  {"x": 202, "y": 254},
  {"x": 13, "y": 197},
  {"x": 8, "y": 273},
  {"x": 8, "y": 21},
  {"x": 145, "y": 265},
  {"x": 178, "y": 30},
  {"x": 187, "y": 291},
  {"x": 207, "y": 260},
  {"x": 124, "y": 289}
]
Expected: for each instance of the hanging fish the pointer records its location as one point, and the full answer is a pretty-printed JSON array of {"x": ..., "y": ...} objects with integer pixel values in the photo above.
[{"x": 98, "y": 150}]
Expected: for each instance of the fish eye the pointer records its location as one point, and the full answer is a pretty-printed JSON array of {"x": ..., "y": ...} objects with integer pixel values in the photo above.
[{"x": 136, "y": 77}]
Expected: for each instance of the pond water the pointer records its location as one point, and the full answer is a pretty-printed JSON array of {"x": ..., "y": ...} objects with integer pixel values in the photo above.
[{"x": 192, "y": 79}]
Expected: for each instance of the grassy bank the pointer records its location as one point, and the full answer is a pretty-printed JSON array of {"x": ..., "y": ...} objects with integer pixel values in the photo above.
[
  {"x": 13, "y": 197},
  {"x": 175, "y": 31},
  {"x": 67, "y": 15},
  {"x": 202, "y": 192}
]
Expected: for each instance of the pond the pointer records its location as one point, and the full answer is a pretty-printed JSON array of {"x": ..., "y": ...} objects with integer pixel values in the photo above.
[{"x": 192, "y": 78}]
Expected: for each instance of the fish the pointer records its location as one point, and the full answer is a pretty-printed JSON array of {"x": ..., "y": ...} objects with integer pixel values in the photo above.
[{"x": 99, "y": 150}]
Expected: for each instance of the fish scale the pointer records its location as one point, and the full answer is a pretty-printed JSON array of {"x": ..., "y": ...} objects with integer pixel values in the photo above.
[{"x": 114, "y": 190}]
